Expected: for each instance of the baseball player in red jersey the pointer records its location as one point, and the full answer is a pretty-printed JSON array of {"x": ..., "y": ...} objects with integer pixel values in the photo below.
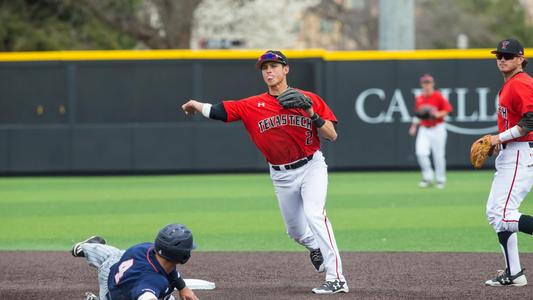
[
  {"x": 514, "y": 165},
  {"x": 430, "y": 110},
  {"x": 284, "y": 123}
]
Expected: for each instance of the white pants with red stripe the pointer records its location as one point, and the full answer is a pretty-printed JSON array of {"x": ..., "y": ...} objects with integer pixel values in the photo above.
[
  {"x": 432, "y": 140},
  {"x": 301, "y": 197},
  {"x": 512, "y": 182}
]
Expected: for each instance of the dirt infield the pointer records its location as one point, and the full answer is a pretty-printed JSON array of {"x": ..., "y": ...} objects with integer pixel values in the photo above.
[{"x": 278, "y": 275}]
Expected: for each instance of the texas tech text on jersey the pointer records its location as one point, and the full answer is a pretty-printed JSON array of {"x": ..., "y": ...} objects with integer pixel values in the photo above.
[{"x": 284, "y": 120}]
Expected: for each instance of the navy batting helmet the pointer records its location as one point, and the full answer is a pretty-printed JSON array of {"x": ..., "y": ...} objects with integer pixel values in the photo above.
[{"x": 174, "y": 243}]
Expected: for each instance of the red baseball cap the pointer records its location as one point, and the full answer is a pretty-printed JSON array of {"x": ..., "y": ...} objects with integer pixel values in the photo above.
[{"x": 426, "y": 78}]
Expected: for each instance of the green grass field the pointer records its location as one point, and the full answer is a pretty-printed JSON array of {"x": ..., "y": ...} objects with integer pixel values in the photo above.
[{"x": 383, "y": 211}]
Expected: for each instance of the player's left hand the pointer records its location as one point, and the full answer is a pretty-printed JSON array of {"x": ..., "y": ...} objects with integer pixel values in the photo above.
[
  {"x": 292, "y": 98},
  {"x": 187, "y": 294}
]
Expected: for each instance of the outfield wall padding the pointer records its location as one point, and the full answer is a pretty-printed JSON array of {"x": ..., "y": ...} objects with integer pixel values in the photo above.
[{"x": 79, "y": 116}]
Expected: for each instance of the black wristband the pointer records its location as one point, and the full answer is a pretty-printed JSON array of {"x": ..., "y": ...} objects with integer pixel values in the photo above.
[
  {"x": 317, "y": 120},
  {"x": 180, "y": 284}
]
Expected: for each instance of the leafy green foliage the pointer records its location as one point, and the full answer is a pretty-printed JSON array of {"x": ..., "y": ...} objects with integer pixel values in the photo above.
[
  {"x": 505, "y": 18},
  {"x": 31, "y": 25},
  {"x": 485, "y": 22}
]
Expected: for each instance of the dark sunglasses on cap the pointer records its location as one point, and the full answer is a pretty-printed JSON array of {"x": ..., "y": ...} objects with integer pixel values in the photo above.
[{"x": 505, "y": 56}]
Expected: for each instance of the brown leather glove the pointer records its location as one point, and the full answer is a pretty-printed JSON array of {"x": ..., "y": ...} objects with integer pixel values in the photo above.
[{"x": 481, "y": 150}]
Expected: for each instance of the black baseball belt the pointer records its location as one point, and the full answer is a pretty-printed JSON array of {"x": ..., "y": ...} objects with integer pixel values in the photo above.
[
  {"x": 294, "y": 165},
  {"x": 505, "y": 145}
]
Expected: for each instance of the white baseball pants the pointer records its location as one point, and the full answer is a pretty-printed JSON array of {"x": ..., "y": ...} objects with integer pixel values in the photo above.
[
  {"x": 511, "y": 184},
  {"x": 432, "y": 140},
  {"x": 301, "y": 197}
]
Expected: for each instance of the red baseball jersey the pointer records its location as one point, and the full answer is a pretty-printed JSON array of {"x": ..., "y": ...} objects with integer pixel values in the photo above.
[
  {"x": 515, "y": 99},
  {"x": 282, "y": 135},
  {"x": 436, "y": 101}
]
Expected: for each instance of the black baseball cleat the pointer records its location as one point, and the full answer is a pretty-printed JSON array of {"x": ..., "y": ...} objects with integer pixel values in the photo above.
[
  {"x": 77, "y": 251},
  {"x": 505, "y": 279},
  {"x": 332, "y": 287},
  {"x": 317, "y": 260}
]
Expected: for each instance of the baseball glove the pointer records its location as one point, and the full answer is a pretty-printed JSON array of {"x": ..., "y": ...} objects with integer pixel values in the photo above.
[
  {"x": 425, "y": 113},
  {"x": 292, "y": 98},
  {"x": 481, "y": 150}
]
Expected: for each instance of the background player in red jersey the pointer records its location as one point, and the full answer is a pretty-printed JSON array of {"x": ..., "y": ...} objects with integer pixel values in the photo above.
[
  {"x": 430, "y": 110},
  {"x": 284, "y": 123},
  {"x": 514, "y": 164}
]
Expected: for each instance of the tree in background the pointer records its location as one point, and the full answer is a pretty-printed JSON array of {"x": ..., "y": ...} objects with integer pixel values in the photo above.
[
  {"x": 484, "y": 22},
  {"x": 158, "y": 24},
  {"x": 438, "y": 23},
  {"x": 330, "y": 24},
  {"x": 95, "y": 24},
  {"x": 33, "y": 25}
]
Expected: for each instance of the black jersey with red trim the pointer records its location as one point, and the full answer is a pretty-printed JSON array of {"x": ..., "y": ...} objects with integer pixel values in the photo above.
[{"x": 138, "y": 272}]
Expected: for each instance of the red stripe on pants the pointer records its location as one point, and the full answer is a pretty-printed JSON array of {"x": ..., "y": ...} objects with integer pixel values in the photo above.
[
  {"x": 511, "y": 189},
  {"x": 332, "y": 247}
]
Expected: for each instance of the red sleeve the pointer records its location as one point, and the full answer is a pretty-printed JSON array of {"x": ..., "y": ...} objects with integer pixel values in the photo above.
[
  {"x": 523, "y": 96},
  {"x": 444, "y": 104},
  {"x": 321, "y": 108},
  {"x": 235, "y": 109}
]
